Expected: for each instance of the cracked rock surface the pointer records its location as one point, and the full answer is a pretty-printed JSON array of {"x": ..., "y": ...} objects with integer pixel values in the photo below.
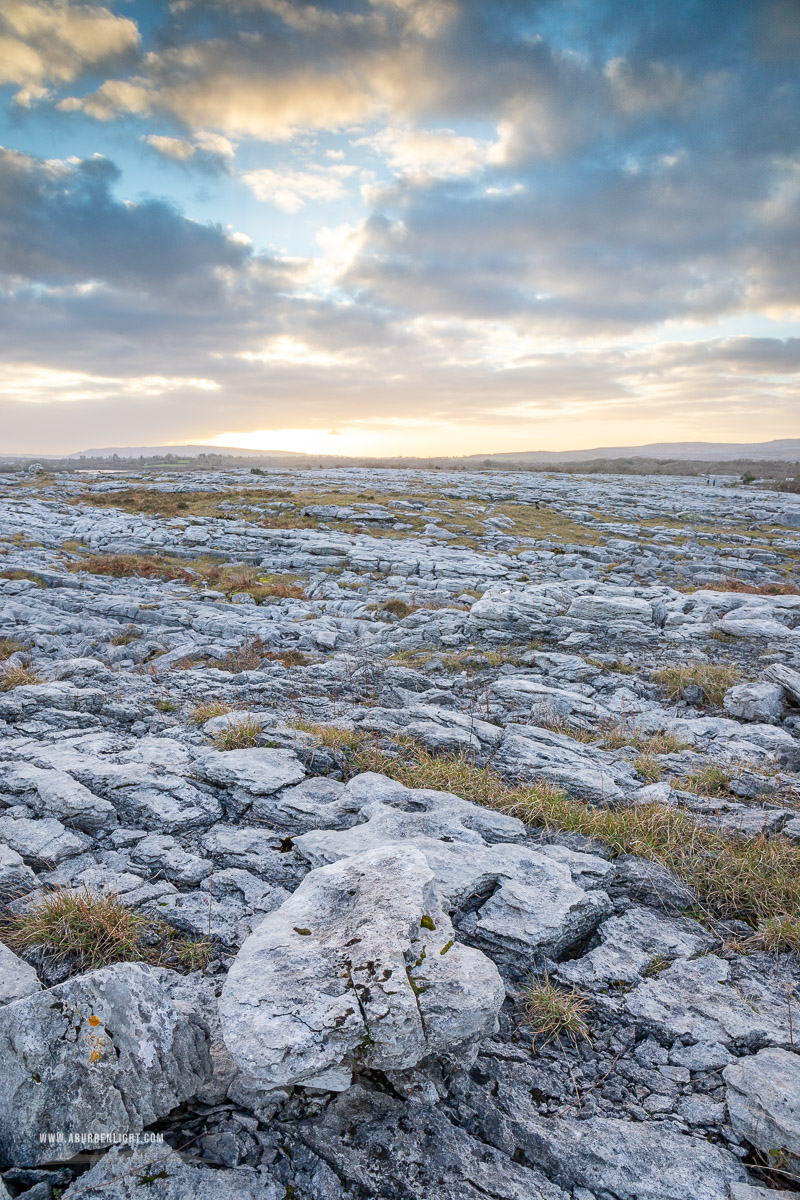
[{"x": 293, "y": 724}]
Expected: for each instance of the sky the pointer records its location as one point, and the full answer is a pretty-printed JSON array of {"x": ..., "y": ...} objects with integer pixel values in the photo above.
[{"x": 398, "y": 227}]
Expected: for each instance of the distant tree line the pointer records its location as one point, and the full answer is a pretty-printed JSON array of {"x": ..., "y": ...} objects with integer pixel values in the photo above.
[{"x": 780, "y": 476}]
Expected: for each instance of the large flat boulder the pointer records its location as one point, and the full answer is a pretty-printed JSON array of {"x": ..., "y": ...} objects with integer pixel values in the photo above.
[{"x": 358, "y": 969}]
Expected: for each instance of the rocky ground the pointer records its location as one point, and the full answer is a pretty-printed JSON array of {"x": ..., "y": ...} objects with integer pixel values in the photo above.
[{"x": 454, "y": 825}]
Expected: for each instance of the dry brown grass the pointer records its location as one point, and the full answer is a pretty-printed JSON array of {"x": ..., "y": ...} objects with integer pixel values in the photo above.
[
  {"x": 713, "y": 680},
  {"x": 754, "y": 879},
  {"x": 335, "y": 737},
  {"x": 9, "y": 646},
  {"x": 208, "y": 709},
  {"x": 396, "y": 608},
  {"x": 131, "y": 633},
  {"x": 288, "y": 658},
  {"x": 763, "y": 589},
  {"x": 649, "y": 767},
  {"x": 19, "y": 573},
  {"x": 14, "y": 677},
  {"x": 96, "y": 929},
  {"x": 178, "y": 503},
  {"x": 710, "y": 780},
  {"x": 146, "y": 566},
  {"x": 242, "y": 578},
  {"x": 246, "y": 657},
  {"x": 227, "y": 578},
  {"x": 617, "y": 734},
  {"x": 238, "y": 736}
]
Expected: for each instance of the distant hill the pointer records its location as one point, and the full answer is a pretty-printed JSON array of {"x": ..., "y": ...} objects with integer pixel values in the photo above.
[
  {"x": 782, "y": 450},
  {"x": 179, "y": 452},
  {"x": 646, "y": 458}
]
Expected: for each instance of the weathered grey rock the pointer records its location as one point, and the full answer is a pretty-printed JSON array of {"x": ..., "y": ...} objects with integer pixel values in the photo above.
[
  {"x": 751, "y": 1191},
  {"x": 348, "y": 974},
  {"x": 786, "y": 678},
  {"x": 104, "y": 1053},
  {"x": 630, "y": 944},
  {"x": 17, "y": 979},
  {"x": 511, "y": 900},
  {"x": 652, "y": 884},
  {"x": 310, "y": 804},
  {"x": 165, "y": 855},
  {"x": 53, "y": 793},
  {"x": 530, "y": 753},
  {"x": 264, "y": 853},
  {"x": 172, "y": 809},
  {"x": 162, "y": 1174},
  {"x": 763, "y": 1097},
  {"x": 755, "y": 702},
  {"x": 252, "y": 772},
  {"x": 700, "y": 999},
  {"x": 104, "y": 744},
  {"x": 441, "y": 730},
  {"x": 40, "y": 843},
  {"x": 631, "y": 1161},
  {"x": 15, "y": 877},
  {"x": 604, "y": 609},
  {"x": 384, "y": 1147},
  {"x": 753, "y": 626},
  {"x": 702, "y": 1056},
  {"x": 701, "y": 1110}
]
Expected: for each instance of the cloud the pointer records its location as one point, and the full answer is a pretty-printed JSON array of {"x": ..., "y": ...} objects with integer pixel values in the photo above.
[
  {"x": 214, "y": 86},
  {"x": 207, "y": 151},
  {"x": 289, "y": 190},
  {"x": 43, "y": 43},
  {"x": 31, "y": 384},
  {"x": 171, "y": 147},
  {"x": 592, "y": 248},
  {"x": 560, "y": 192},
  {"x": 60, "y": 223},
  {"x": 421, "y": 154}
]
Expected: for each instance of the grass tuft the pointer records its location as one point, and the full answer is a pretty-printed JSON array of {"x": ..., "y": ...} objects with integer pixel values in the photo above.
[
  {"x": 131, "y": 633},
  {"x": 713, "y": 680},
  {"x": 553, "y": 1012},
  {"x": 649, "y": 767},
  {"x": 122, "y": 566},
  {"x": 335, "y": 737},
  {"x": 710, "y": 780},
  {"x": 14, "y": 677},
  {"x": 95, "y": 926},
  {"x": 8, "y": 647},
  {"x": 247, "y": 657},
  {"x": 207, "y": 709},
  {"x": 763, "y": 589},
  {"x": 97, "y": 929},
  {"x": 239, "y": 736},
  {"x": 396, "y": 608}
]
